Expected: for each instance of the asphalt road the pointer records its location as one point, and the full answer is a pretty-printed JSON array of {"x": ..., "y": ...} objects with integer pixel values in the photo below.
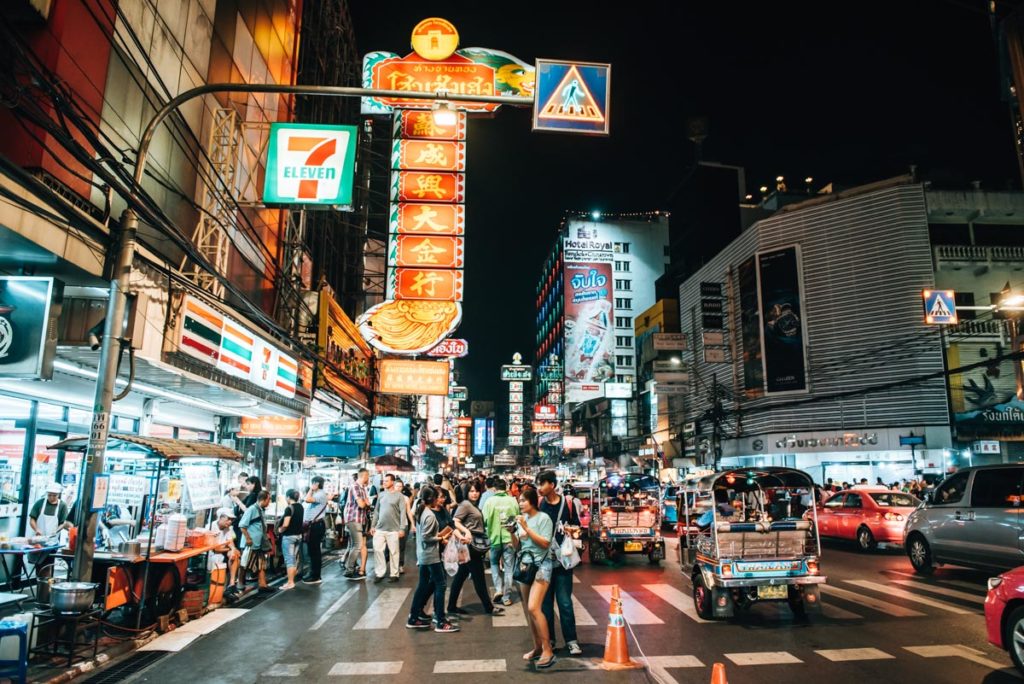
[{"x": 881, "y": 623}]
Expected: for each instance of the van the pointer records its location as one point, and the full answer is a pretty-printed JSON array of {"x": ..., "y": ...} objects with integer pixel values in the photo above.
[{"x": 972, "y": 518}]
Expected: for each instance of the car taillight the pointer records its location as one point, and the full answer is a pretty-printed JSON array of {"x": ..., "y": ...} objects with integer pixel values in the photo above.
[
  {"x": 812, "y": 567},
  {"x": 726, "y": 570},
  {"x": 889, "y": 515}
]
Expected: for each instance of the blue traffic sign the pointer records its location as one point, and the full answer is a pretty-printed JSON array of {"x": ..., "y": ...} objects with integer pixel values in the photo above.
[
  {"x": 939, "y": 307},
  {"x": 572, "y": 97}
]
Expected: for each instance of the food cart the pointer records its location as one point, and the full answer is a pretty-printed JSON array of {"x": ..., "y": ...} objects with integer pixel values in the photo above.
[
  {"x": 744, "y": 538},
  {"x": 149, "y": 480},
  {"x": 626, "y": 518}
]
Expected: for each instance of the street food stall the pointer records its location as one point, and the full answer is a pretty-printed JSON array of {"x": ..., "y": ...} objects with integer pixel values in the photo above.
[{"x": 153, "y": 529}]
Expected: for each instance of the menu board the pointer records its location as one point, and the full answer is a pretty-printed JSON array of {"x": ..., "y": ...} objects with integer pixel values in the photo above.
[
  {"x": 203, "y": 486},
  {"x": 126, "y": 490}
]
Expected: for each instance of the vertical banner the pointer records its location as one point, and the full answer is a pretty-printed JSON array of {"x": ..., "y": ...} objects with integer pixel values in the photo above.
[
  {"x": 783, "y": 332},
  {"x": 750, "y": 329},
  {"x": 589, "y": 334}
]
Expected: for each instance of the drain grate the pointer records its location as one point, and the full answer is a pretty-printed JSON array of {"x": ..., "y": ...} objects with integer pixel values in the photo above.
[{"x": 128, "y": 667}]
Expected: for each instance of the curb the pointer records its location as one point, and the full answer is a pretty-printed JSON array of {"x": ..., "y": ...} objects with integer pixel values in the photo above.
[{"x": 101, "y": 659}]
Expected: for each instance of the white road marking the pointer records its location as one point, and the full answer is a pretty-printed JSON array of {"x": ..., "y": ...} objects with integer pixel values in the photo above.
[
  {"x": 960, "y": 651},
  {"x": 763, "y": 658},
  {"x": 383, "y": 610},
  {"x": 632, "y": 610},
  {"x": 675, "y": 598},
  {"x": 372, "y": 668},
  {"x": 951, "y": 582},
  {"x": 841, "y": 655},
  {"x": 891, "y": 591},
  {"x": 171, "y": 641},
  {"x": 333, "y": 609},
  {"x": 576, "y": 580},
  {"x": 659, "y": 664},
  {"x": 457, "y": 666},
  {"x": 583, "y": 618},
  {"x": 952, "y": 593},
  {"x": 888, "y": 608},
  {"x": 837, "y": 613},
  {"x": 286, "y": 670}
]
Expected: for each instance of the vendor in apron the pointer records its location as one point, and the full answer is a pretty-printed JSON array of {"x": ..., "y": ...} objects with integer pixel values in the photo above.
[{"x": 49, "y": 515}]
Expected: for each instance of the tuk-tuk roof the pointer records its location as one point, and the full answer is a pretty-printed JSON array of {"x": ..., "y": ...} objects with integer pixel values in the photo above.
[{"x": 747, "y": 479}]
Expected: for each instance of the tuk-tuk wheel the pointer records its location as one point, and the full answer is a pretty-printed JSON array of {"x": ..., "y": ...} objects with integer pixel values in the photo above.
[
  {"x": 653, "y": 559},
  {"x": 596, "y": 552},
  {"x": 796, "y": 602},
  {"x": 702, "y": 599}
]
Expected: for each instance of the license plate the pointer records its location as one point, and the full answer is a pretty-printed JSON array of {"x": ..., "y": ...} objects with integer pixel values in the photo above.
[
  {"x": 634, "y": 531},
  {"x": 780, "y": 591},
  {"x": 633, "y": 546}
]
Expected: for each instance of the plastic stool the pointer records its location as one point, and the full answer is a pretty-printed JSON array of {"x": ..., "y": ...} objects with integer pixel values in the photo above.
[{"x": 16, "y": 669}]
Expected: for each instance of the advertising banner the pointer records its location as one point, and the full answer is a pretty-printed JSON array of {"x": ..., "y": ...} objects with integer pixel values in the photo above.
[
  {"x": 26, "y": 307},
  {"x": 398, "y": 376},
  {"x": 420, "y": 218},
  {"x": 750, "y": 328},
  {"x": 310, "y": 164},
  {"x": 430, "y": 251},
  {"x": 428, "y": 284},
  {"x": 272, "y": 426},
  {"x": 428, "y": 155},
  {"x": 783, "y": 332},
  {"x": 589, "y": 336},
  {"x": 453, "y": 348},
  {"x": 340, "y": 341},
  {"x": 427, "y": 186}
]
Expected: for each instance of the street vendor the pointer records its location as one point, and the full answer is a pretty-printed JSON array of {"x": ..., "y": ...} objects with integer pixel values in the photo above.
[{"x": 49, "y": 515}]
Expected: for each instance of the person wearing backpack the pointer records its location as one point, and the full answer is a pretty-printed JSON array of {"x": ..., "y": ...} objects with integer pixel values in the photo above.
[{"x": 563, "y": 512}]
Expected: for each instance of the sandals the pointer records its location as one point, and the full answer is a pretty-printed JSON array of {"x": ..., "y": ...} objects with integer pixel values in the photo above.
[
  {"x": 532, "y": 655},
  {"x": 542, "y": 664}
]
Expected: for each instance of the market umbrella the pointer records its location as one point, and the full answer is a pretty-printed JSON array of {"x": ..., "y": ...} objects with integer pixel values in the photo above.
[{"x": 393, "y": 462}]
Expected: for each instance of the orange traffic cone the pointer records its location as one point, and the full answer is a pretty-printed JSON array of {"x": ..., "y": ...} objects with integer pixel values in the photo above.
[
  {"x": 616, "y": 650},
  {"x": 718, "y": 674}
]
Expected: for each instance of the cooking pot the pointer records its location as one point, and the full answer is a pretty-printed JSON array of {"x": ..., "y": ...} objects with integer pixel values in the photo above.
[
  {"x": 131, "y": 548},
  {"x": 72, "y": 597}
]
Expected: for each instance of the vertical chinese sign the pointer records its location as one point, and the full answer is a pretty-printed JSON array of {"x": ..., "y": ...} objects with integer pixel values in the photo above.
[{"x": 516, "y": 374}]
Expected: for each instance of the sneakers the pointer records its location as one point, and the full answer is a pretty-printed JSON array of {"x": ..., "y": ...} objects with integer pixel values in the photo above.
[
  {"x": 377, "y": 579},
  {"x": 446, "y": 628},
  {"x": 497, "y": 610},
  {"x": 392, "y": 580},
  {"x": 574, "y": 648},
  {"x": 356, "y": 576},
  {"x": 418, "y": 623},
  {"x": 497, "y": 598},
  {"x": 311, "y": 580},
  {"x": 507, "y": 601}
]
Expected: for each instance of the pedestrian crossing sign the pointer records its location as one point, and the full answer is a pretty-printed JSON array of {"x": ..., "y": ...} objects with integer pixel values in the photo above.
[
  {"x": 939, "y": 307},
  {"x": 572, "y": 97}
]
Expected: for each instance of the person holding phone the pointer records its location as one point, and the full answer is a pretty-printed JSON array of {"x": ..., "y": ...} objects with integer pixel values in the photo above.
[
  {"x": 432, "y": 574},
  {"x": 533, "y": 537}
]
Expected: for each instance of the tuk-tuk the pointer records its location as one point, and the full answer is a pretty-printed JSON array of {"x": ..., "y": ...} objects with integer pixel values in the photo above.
[
  {"x": 744, "y": 537},
  {"x": 626, "y": 518}
]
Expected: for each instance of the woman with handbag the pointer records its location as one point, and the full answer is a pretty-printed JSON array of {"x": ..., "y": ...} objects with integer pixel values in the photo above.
[
  {"x": 469, "y": 527},
  {"x": 533, "y": 572}
]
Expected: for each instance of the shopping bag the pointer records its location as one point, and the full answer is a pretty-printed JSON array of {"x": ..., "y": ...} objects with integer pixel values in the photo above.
[
  {"x": 450, "y": 558},
  {"x": 568, "y": 555},
  {"x": 463, "y": 552}
]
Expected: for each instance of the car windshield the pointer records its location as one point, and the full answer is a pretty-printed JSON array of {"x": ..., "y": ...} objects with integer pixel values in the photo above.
[
  {"x": 670, "y": 493},
  {"x": 895, "y": 499}
]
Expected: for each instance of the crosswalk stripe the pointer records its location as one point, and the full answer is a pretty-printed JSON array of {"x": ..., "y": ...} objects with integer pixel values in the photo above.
[
  {"x": 513, "y": 617},
  {"x": 840, "y": 655},
  {"x": 676, "y": 599},
  {"x": 632, "y": 610},
  {"x": 286, "y": 670},
  {"x": 959, "y": 651},
  {"x": 763, "y": 658},
  {"x": 888, "y": 608},
  {"x": 383, "y": 610},
  {"x": 837, "y": 613},
  {"x": 458, "y": 666},
  {"x": 333, "y": 609},
  {"x": 952, "y": 593},
  {"x": 370, "y": 668},
  {"x": 951, "y": 582},
  {"x": 891, "y": 591},
  {"x": 583, "y": 618},
  {"x": 576, "y": 580}
]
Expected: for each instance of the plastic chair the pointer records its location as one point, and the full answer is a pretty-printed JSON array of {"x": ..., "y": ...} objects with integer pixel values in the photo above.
[{"x": 15, "y": 669}]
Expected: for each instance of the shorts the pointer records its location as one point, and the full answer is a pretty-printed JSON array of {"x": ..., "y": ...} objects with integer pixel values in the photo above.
[
  {"x": 292, "y": 544},
  {"x": 253, "y": 559},
  {"x": 544, "y": 569}
]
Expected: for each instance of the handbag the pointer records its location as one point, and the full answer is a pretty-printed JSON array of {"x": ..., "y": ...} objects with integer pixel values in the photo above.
[
  {"x": 568, "y": 556},
  {"x": 525, "y": 571},
  {"x": 480, "y": 543}
]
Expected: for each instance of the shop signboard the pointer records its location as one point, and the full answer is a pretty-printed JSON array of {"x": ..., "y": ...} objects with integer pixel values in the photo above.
[
  {"x": 428, "y": 186},
  {"x": 422, "y": 125},
  {"x": 310, "y": 164},
  {"x": 340, "y": 342},
  {"x": 424, "y": 218},
  {"x": 126, "y": 490},
  {"x": 458, "y": 393},
  {"x": 513, "y": 440},
  {"x": 515, "y": 397},
  {"x": 400, "y": 376},
  {"x": 483, "y": 436},
  {"x": 516, "y": 372},
  {"x": 409, "y": 326},
  {"x": 783, "y": 328},
  {"x": 278, "y": 427},
  {"x": 506, "y": 459},
  {"x": 750, "y": 328},
  {"x": 426, "y": 284},
  {"x": 27, "y": 306},
  {"x": 202, "y": 485},
  {"x": 574, "y": 442},
  {"x": 515, "y": 386},
  {"x": 672, "y": 388},
  {"x": 515, "y": 428},
  {"x": 431, "y": 251},
  {"x": 669, "y": 341},
  {"x": 986, "y": 446},
  {"x": 589, "y": 336},
  {"x": 387, "y": 431},
  {"x": 545, "y": 412},
  {"x": 671, "y": 377},
  {"x": 546, "y": 426},
  {"x": 428, "y": 155},
  {"x": 572, "y": 97},
  {"x": 451, "y": 348}
]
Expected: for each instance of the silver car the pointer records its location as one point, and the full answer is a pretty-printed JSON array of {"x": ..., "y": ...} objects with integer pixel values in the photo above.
[{"x": 973, "y": 518}]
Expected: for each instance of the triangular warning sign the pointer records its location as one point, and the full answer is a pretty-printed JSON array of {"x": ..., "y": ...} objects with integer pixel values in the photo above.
[
  {"x": 939, "y": 308},
  {"x": 572, "y": 101}
]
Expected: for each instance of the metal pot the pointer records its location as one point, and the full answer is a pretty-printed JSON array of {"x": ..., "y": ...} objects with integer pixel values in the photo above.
[
  {"x": 72, "y": 597},
  {"x": 43, "y": 590},
  {"x": 131, "y": 548}
]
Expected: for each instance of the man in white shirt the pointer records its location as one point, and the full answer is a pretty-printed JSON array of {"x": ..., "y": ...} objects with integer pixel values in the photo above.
[{"x": 225, "y": 551}]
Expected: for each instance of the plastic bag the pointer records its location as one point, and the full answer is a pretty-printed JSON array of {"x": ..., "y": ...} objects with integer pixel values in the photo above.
[
  {"x": 568, "y": 555},
  {"x": 450, "y": 557},
  {"x": 463, "y": 552}
]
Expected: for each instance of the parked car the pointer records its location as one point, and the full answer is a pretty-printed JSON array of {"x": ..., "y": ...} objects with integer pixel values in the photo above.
[
  {"x": 868, "y": 516},
  {"x": 972, "y": 518},
  {"x": 1004, "y": 614}
]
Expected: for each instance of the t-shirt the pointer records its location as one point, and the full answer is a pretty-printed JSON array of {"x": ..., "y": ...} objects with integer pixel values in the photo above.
[
  {"x": 294, "y": 510},
  {"x": 498, "y": 508},
  {"x": 470, "y": 516},
  {"x": 316, "y": 509},
  {"x": 252, "y": 521},
  {"x": 429, "y": 551},
  {"x": 353, "y": 513},
  {"x": 570, "y": 514},
  {"x": 37, "y": 510},
  {"x": 541, "y": 524}
]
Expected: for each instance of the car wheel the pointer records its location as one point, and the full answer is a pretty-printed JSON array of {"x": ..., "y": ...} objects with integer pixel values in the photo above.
[
  {"x": 702, "y": 598},
  {"x": 866, "y": 540},
  {"x": 652, "y": 559},
  {"x": 920, "y": 555},
  {"x": 1013, "y": 637}
]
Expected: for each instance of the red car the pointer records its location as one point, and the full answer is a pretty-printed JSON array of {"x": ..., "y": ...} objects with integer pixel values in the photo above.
[
  {"x": 866, "y": 515},
  {"x": 1004, "y": 614}
]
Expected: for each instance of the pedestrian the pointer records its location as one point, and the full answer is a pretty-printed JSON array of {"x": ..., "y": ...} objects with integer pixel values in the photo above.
[
  {"x": 563, "y": 512},
  {"x": 469, "y": 522},
  {"x": 404, "y": 538},
  {"x": 489, "y": 484},
  {"x": 242, "y": 479},
  {"x": 428, "y": 558},
  {"x": 226, "y": 552},
  {"x": 291, "y": 536},
  {"x": 315, "y": 528},
  {"x": 357, "y": 508},
  {"x": 387, "y": 527},
  {"x": 255, "y": 543},
  {"x": 253, "y": 487},
  {"x": 497, "y": 512},
  {"x": 534, "y": 565}
]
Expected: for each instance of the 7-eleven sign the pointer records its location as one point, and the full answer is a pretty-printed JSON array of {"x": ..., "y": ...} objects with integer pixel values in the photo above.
[{"x": 310, "y": 164}]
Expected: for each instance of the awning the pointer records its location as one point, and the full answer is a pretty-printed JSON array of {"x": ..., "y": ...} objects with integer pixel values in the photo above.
[
  {"x": 172, "y": 449},
  {"x": 394, "y": 462}
]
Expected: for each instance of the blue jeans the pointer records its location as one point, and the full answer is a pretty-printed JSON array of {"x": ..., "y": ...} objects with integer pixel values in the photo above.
[
  {"x": 503, "y": 580},
  {"x": 560, "y": 590},
  {"x": 432, "y": 578},
  {"x": 291, "y": 545}
]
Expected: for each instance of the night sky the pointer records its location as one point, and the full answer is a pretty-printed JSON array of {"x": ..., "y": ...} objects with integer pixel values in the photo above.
[{"x": 843, "y": 92}]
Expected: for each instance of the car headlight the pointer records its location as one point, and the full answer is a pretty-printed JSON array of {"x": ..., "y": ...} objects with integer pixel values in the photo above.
[{"x": 994, "y": 582}]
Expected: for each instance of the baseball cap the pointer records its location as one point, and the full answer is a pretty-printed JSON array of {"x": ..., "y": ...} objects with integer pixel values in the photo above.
[
  {"x": 54, "y": 488},
  {"x": 226, "y": 512}
]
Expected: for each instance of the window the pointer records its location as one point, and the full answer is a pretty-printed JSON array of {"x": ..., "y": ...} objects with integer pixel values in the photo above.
[
  {"x": 622, "y": 266},
  {"x": 620, "y": 247},
  {"x": 853, "y": 501},
  {"x": 996, "y": 488},
  {"x": 623, "y": 322},
  {"x": 623, "y": 303},
  {"x": 951, "y": 491},
  {"x": 623, "y": 341},
  {"x": 622, "y": 360},
  {"x": 836, "y": 501},
  {"x": 894, "y": 499},
  {"x": 965, "y": 299},
  {"x": 623, "y": 284}
]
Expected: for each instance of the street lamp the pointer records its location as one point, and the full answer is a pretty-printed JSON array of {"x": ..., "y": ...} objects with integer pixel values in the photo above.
[{"x": 444, "y": 115}]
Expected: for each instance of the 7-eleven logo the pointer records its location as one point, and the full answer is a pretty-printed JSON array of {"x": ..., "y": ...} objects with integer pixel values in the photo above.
[{"x": 310, "y": 163}]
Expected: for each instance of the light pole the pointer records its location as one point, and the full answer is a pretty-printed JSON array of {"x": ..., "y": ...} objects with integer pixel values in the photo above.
[{"x": 113, "y": 326}]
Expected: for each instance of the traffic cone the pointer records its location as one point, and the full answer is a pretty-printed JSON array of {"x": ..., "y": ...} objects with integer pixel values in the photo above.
[
  {"x": 616, "y": 650},
  {"x": 718, "y": 674}
]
